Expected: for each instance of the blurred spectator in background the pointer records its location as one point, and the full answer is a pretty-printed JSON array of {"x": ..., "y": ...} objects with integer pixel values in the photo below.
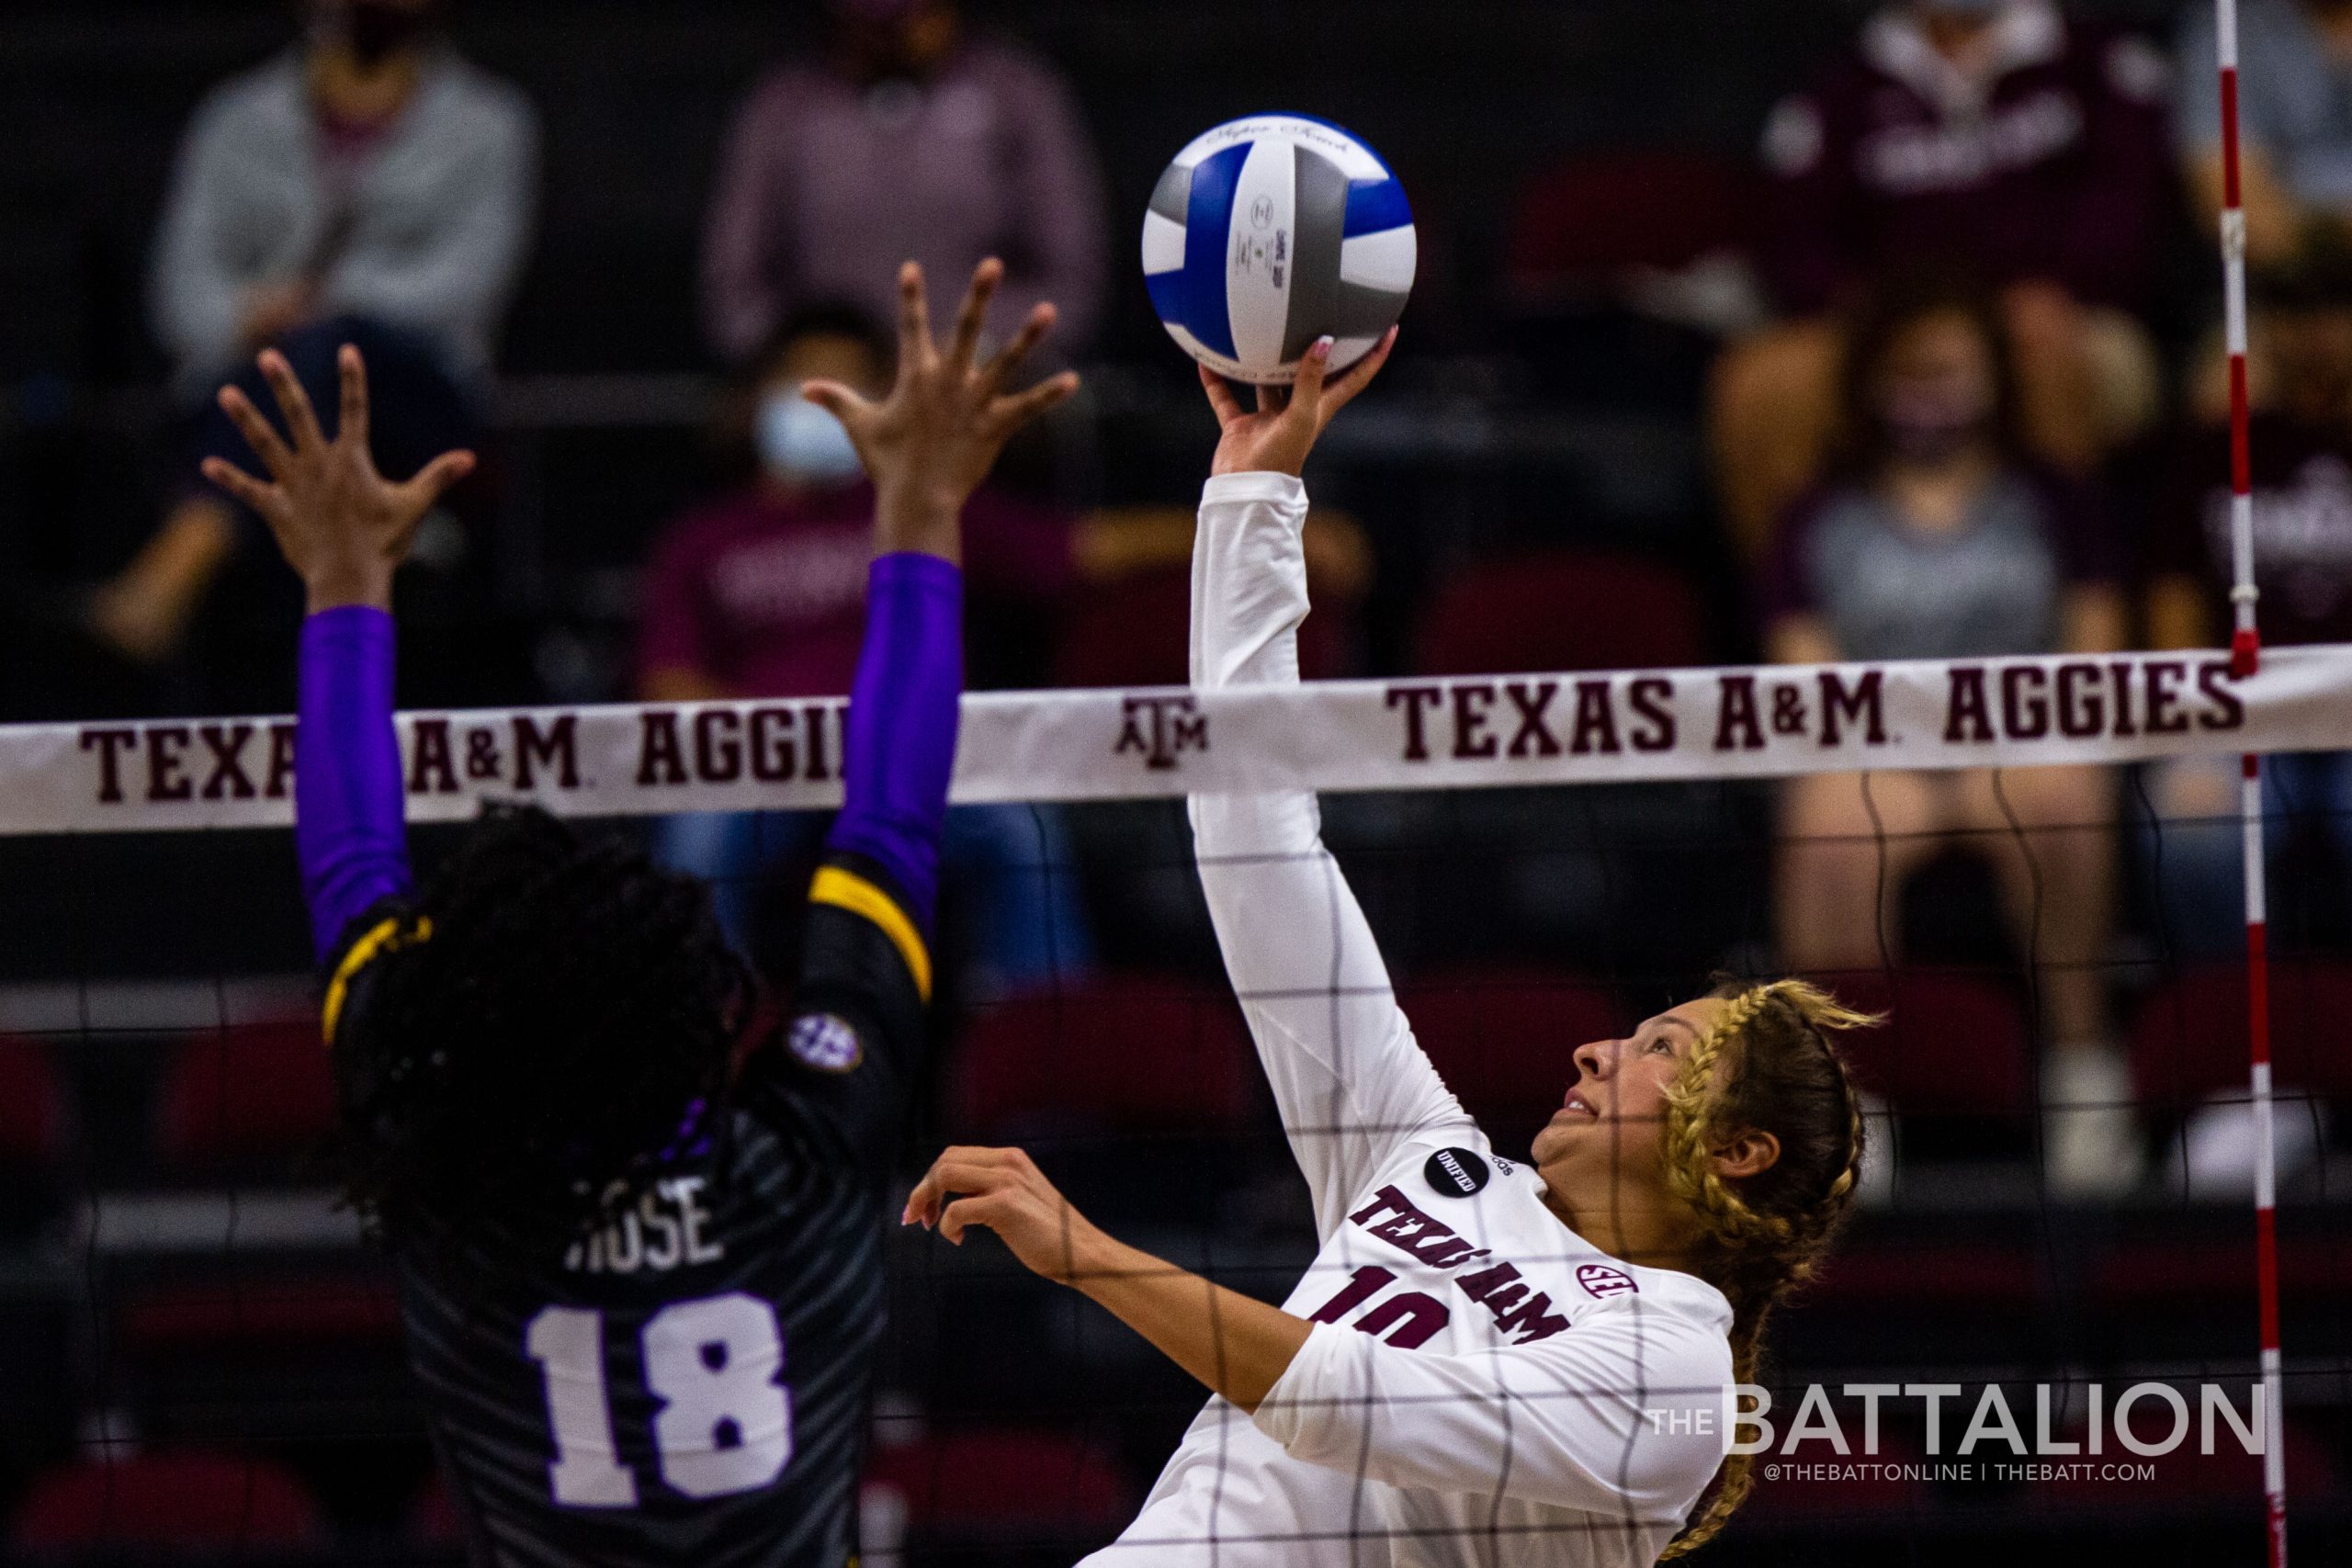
[
  {"x": 1938, "y": 538},
  {"x": 762, "y": 593},
  {"x": 910, "y": 136},
  {"x": 2301, "y": 383},
  {"x": 1993, "y": 133},
  {"x": 367, "y": 186},
  {"x": 2295, "y": 125}
]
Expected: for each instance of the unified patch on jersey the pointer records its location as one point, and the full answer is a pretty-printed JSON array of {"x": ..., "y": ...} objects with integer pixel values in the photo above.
[
  {"x": 1456, "y": 1173},
  {"x": 1600, "y": 1279},
  {"x": 825, "y": 1042}
]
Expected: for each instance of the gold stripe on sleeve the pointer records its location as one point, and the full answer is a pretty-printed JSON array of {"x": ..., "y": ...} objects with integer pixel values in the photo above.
[
  {"x": 384, "y": 936},
  {"x": 847, "y": 890}
]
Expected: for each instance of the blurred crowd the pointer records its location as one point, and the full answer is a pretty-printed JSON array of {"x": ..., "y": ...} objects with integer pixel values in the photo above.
[{"x": 1957, "y": 376}]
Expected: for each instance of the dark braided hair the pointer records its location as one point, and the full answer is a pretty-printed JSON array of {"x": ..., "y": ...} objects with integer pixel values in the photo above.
[{"x": 557, "y": 1015}]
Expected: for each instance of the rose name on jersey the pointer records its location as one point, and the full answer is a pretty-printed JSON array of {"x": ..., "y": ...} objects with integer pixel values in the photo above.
[{"x": 1517, "y": 1307}]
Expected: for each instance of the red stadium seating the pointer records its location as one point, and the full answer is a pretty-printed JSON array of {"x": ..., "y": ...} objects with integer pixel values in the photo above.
[
  {"x": 1664, "y": 210},
  {"x": 1954, "y": 1044},
  {"x": 1562, "y": 610},
  {"x": 1003, "y": 1486},
  {"x": 193, "y": 1502},
  {"x": 252, "y": 1091},
  {"x": 1502, "y": 1038},
  {"x": 281, "y": 1312},
  {"x": 2190, "y": 1039},
  {"x": 1136, "y": 632},
  {"x": 33, "y": 1104},
  {"x": 1119, "y": 1054}
]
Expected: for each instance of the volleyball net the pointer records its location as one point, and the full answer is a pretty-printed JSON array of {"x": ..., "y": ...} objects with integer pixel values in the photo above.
[{"x": 1545, "y": 858}]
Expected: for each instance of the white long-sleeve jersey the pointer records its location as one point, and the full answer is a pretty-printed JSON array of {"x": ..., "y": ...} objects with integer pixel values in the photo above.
[{"x": 1482, "y": 1386}]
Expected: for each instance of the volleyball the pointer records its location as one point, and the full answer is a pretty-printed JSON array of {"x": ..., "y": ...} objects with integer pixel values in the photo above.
[{"x": 1269, "y": 232}]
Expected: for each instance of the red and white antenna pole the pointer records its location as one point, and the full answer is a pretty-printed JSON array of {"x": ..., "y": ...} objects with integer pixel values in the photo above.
[{"x": 2245, "y": 657}]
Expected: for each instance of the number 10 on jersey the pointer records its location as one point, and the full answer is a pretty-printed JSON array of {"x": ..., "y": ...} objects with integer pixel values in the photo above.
[{"x": 716, "y": 1365}]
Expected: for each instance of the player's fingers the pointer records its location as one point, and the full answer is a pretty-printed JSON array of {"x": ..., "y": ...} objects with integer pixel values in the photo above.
[
  {"x": 964, "y": 1211},
  {"x": 241, "y": 484},
  {"x": 301, "y": 420},
  {"x": 1307, "y": 391},
  {"x": 1221, "y": 399},
  {"x": 1006, "y": 360},
  {"x": 842, "y": 401},
  {"x": 1010, "y": 413},
  {"x": 351, "y": 371},
  {"x": 434, "y": 480},
  {"x": 265, "y": 442},
  {"x": 973, "y": 313},
  {"x": 1273, "y": 400},
  {"x": 914, "y": 320},
  {"x": 923, "y": 1203},
  {"x": 1339, "y": 393}
]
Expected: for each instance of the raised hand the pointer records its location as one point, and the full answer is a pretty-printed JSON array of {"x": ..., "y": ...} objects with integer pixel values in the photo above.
[
  {"x": 928, "y": 444},
  {"x": 1003, "y": 1191},
  {"x": 343, "y": 527},
  {"x": 1289, "y": 420}
]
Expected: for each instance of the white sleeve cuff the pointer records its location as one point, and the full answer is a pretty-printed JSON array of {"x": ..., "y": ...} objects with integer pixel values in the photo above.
[
  {"x": 1300, "y": 1405},
  {"x": 1282, "y": 489}
]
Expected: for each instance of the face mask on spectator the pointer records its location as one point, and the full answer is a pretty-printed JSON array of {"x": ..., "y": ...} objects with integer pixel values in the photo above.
[
  {"x": 1932, "y": 422},
  {"x": 802, "y": 445}
]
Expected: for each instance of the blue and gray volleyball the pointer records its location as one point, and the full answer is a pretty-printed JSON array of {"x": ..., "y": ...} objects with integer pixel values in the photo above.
[{"x": 1269, "y": 232}]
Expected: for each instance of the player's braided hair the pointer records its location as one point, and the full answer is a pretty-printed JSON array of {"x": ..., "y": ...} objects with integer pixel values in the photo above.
[
  {"x": 555, "y": 1034},
  {"x": 1766, "y": 1065}
]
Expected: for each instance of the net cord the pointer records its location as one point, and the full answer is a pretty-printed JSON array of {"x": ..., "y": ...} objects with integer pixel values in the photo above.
[{"x": 2245, "y": 648}]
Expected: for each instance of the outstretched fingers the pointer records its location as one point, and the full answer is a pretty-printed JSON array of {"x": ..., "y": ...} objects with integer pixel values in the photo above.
[
  {"x": 268, "y": 445},
  {"x": 972, "y": 317},
  {"x": 915, "y": 347},
  {"x": 432, "y": 481},
  {"x": 837, "y": 398},
  {"x": 301, "y": 420},
  {"x": 999, "y": 368},
  {"x": 1306, "y": 391},
  {"x": 1222, "y": 402},
  {"x": 260, "y": 497},
  {"x": 352, "y": 372},
  {"x": 1340, "y": 393},
  {"x": 1010, "y": 414}
]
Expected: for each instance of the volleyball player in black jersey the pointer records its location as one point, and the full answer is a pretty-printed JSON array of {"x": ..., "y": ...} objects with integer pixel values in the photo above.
[{"x": 637, "y": 1232}]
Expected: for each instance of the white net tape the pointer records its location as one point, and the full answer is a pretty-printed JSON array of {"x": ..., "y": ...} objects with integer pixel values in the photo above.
[{"x": 1470, "y": 732}]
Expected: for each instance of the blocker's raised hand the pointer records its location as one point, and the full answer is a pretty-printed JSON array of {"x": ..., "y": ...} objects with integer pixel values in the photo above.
[
  {"x": 1289, "y": 420},
  {"x": 344, "y": 528},
  {"x": 929, "y": 444}
]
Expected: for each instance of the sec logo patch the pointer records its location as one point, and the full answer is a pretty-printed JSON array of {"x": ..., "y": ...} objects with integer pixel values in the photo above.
[
  {"x": 1601, "y": 1281},
  {"x": 825, "y": 1042}
]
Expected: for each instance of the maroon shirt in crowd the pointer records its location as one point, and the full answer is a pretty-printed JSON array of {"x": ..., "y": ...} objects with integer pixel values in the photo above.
[
  {"x": 2302, "y": 528},
  {"x": 767, "y": 596},
  {"x": 2052, "y": 166},
  {"x": 828, "y": 186}
]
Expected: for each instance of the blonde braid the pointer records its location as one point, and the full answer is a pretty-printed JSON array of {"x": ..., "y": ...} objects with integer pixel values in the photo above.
[{"x": 1758, "y": 1255}]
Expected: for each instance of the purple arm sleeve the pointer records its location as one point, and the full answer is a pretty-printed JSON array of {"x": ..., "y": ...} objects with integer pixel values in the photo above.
[
  {"x": 902, "y": 715},
  {"x": 349, "y": 827}
]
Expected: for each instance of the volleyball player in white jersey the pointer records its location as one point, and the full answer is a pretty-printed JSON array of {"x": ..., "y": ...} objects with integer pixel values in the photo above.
[{"x": 1491, "y": 1361}]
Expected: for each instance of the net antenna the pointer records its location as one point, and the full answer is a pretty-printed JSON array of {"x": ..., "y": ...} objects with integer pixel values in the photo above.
[{"x": 2245, "y": 658}]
